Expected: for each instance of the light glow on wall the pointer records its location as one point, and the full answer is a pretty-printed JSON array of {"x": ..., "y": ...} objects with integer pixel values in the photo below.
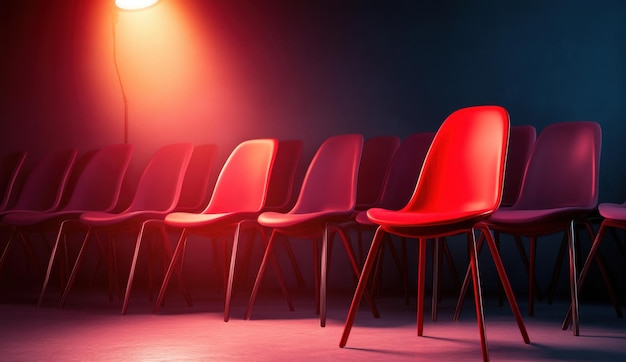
[{"x": 134, "y": 4}]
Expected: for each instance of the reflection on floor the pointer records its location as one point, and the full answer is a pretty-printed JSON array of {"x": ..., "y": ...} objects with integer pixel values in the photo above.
[{"x": 91, "y": 328}]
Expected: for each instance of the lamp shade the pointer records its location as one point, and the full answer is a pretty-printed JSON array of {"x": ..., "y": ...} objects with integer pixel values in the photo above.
[{"x": 134, "y": 4}]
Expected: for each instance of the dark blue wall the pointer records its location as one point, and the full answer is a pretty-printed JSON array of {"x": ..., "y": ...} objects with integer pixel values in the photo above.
[{"x": 317, "y": 68}]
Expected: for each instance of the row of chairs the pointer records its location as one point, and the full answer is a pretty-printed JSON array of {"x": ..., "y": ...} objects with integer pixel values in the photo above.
[{"x": 429, "y": 186}]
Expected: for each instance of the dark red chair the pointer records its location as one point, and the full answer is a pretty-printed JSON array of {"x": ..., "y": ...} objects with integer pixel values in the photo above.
[
  {"x": 41, "y": 191},
  {"x": 156, "y": 195}
]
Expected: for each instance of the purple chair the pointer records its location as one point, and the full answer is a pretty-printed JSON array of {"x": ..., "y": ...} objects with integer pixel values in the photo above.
[
  {"x": 549, "y": 201},
  {"x": 327, "y": 197}
]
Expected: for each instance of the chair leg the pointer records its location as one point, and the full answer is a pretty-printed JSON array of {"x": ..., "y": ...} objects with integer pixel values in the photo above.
[
  {"x": 355, "y": 269},
  {"x": 524, "y": 257},
  {"x": 604, "y": 271},
  {"x": 133, "y": 265},
  {"x": 370, "y": 262},
  {"x": 435, "y": 295},
  {"x": 79, "y": 259},
  {"x": 231, "y": 271},
  {"x": 53, "y": 254},
  {"x": 316, "y": 275},
  {"x": 556, "y": 269},
  {"x": 465, "y": 285},
  {"x": 294, "y": 263},
  {"x": 583, "y": 273},
  {"x": 504, "y": 281},
  {"x": 532, "y": 253},
  {"x": 7, "y": 247},
  {"x": 478, "y": 298},
  {"x": 421, "y": 279},
  {"x": 176, "y": 258},
  {"x": 267, "y": 258},
  {"x": 323, "y": 272},
  {"x": 179, "y": 270},
  {"x": 573, "y": 279}
]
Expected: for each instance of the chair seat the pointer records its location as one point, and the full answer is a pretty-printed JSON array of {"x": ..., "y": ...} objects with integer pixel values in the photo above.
[
  {"x": 287, "y": 220},
  {"x": 612, "y": 211},
  {"x": 393, "y": 218},
  {"x": 189, "y": 220},
  {"x": 27, "y": 217},
  {"x": 106, "y": 219},
  {"x": 361, "y": 218},
  {"x": 522, "y": 217}
]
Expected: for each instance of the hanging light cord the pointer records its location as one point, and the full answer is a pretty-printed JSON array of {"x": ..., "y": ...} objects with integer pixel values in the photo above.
[{"x": 119, "y": 77}]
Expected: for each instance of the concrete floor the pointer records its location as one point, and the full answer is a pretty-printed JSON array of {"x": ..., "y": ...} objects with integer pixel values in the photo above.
[{"x": 90, "y": 328}]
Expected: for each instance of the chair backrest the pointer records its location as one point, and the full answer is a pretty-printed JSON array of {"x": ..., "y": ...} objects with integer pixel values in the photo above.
[
  {"x": 329, "y": 184},
  {"x": 10, "y": 169},
  {"x": 521, "y": 143},
  {"x": 98, "y": 185},
  {"x": 160, "y": 183},
  {"x": 194, "y": 194},
  {"x": 282, "y": 181},
  {"x": 373, "y": 168},
  {"x": 564, "y": 167},
  {"x": 243, "y": 181},
  {"x": 404, "y": 170},
  {"x": 44, "y": 185},
  {"x": 464, "y": 168}
]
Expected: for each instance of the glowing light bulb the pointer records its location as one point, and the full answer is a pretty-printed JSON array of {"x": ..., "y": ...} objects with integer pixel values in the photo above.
[{"x": 134, "y": 4}]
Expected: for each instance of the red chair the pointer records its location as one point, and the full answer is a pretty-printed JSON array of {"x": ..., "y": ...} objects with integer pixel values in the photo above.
[
  {"x": 327, "y": 197},
  {"x": 460, "y": 185},
  {"x": 240, "y": 193},
  {"x": 97, "y": 188},
  {"x": 9, "y": 171},
  {"x": 549, "y": 202},
  {"x": 41, "y": 191},
  {"x": 157, "y": 194}
]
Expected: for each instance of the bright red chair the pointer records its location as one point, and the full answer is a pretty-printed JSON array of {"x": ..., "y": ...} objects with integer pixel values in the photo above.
[
  {"x": 97, "y": 188},
  {"x": 156, "y": 195},
  {"x": 239, "y": 195},
  {"x": 327, "y": 197},
  {"x": 549, "y": 202},
  {"x": 42, "y": 191},
  {"x": 460, "y": 185}
]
